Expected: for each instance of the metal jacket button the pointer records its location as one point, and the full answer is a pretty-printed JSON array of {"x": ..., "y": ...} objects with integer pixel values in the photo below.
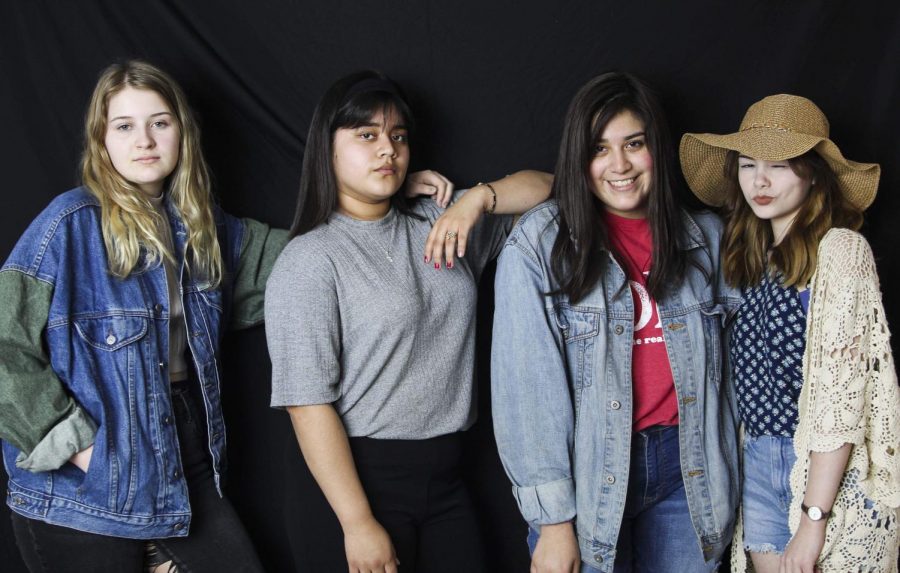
[
  {"x": 615, "y": 405},
  {"x": 157, "y": 308},
  {"x": 610, "y": 479},
  {"x": 619, "y": 329},
  {"x": 110, "y": 339}
]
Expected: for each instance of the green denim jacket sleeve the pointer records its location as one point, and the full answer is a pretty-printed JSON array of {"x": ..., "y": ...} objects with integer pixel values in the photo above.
[{"x": 37, "y": 415}]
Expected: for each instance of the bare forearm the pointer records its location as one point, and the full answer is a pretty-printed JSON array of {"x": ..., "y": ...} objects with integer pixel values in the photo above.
[
  {"x": 325, "y": 448},
  {"x": 824, "y": 478},
  {"x": 825, "y": 472},
  {"x": 517, "y": 193}
]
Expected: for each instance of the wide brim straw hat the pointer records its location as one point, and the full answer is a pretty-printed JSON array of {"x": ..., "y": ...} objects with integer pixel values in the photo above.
[{"x": 776, "y": 128}]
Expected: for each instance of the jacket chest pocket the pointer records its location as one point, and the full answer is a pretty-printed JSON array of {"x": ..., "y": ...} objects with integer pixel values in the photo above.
[
  {"x": 205, "y": 316},
  {"x": 212, "y": 299},
  {"x": 579, "y": 328},
  {"x": 577, "y": 324},
  {"x": 112, "y": 344},
  {"x": 111, "y": 333},
  {"x": 714, "y": 318}
]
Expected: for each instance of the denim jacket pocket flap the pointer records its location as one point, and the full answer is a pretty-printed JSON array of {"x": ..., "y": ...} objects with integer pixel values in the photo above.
[
  {"x": 719, "y": 312},
  {"x": 576, "y": 323},
  {"x": 111, "y": 332},
  {"x": 212, "y": 298}
]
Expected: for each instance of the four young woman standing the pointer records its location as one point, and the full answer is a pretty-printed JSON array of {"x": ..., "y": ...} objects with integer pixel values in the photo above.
[{"x": 614, "y": 403}]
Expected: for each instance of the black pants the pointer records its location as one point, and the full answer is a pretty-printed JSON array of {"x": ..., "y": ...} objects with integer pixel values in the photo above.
[
  {"x": 417, "y": 495},
  {"x": 217, "y": 541}
]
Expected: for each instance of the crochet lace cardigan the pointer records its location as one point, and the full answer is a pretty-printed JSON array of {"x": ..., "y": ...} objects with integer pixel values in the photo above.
[{"x": 849, "y": 395}]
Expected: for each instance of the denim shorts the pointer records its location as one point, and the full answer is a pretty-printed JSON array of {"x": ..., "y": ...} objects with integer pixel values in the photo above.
[{"x": 766, "y": 495}]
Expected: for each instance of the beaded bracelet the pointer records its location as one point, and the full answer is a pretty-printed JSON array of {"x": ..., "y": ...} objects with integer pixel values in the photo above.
[{"x": 493, "y": 206}]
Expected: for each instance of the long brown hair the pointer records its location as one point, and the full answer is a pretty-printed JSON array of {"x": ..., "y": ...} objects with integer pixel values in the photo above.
[
  {"x": 748, "y": 239},
  {"x": 578, "y": 260},
  {"x": 129, "y": 221}
]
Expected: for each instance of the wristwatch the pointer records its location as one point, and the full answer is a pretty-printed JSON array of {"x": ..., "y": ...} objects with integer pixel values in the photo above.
[{"x": 814, "y": 513}]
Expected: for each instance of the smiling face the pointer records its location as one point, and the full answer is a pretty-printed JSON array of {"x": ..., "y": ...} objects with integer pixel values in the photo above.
[
  {"x": 773, "y": 190},
  {"x": 370, "y": 163},
  {"x": 621, "y": 171},
  {"x": 142, "y": 138}
]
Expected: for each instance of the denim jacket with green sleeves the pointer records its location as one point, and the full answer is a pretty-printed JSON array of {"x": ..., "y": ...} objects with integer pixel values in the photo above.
[
  {"x": 562, "y": 393},
  {"x": 83, "y": 361}
]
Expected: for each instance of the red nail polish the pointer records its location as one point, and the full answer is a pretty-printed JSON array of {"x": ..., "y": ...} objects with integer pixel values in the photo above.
[
  {"x": 426, "y": 258},
  {"x": 437, "y": 265},
  {"x": 450, "y": 265}
]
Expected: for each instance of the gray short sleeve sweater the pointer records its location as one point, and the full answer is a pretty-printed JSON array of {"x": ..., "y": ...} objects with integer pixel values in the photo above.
[{"x": 354, "y": 317}]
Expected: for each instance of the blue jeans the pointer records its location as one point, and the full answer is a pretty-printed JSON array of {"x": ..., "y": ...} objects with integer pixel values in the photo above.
[
  {"x": 766, "y": 495},
  {"x": 657, "y": 534}
]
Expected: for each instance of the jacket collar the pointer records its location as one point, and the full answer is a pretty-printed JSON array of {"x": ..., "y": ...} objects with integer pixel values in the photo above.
[{"x": 693, "y": 237}]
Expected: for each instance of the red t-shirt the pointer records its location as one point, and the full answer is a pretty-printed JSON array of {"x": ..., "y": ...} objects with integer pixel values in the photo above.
[{"x": 655, "y": 402}]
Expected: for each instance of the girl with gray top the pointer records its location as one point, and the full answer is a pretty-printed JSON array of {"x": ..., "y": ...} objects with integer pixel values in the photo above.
[{"x": 372, "y": 349}]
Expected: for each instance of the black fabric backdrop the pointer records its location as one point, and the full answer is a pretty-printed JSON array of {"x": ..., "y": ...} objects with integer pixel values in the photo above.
[{"x": 490, "y": 81}]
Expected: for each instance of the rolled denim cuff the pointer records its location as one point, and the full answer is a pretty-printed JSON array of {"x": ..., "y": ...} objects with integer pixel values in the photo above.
[
  {"x": 547, "y": 503},
  {"x": 71, "y": 435}
]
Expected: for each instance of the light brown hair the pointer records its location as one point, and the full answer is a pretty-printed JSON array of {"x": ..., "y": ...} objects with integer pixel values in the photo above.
[{"x": 748, "y": 239}]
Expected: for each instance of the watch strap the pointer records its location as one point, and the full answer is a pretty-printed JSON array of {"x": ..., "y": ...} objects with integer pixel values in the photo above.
[{"x": 806, "y": 508}]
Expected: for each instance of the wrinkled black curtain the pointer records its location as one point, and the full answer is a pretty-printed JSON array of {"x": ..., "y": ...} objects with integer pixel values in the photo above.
[{"x": 490, "y": 81}]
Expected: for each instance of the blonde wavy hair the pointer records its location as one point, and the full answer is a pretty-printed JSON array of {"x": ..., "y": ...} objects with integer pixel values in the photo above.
[
  {"x": 129, "y": 221},
  {"x": 748, "y": 239}
]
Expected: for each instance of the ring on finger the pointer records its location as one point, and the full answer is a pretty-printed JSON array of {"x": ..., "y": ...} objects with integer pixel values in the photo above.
[{"x": 451, "y": 235}]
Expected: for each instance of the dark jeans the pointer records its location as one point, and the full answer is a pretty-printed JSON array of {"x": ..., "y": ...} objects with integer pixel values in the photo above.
[
  {"x": 417, "y": 495},
  {"x": 657, "y": 534},
  {"x": 217, "y": 541}
]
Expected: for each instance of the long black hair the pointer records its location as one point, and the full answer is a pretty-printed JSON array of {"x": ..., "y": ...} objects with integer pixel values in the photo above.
[
  {"x": 578, "y": 260},
  {"x": 349, "y": 103}
]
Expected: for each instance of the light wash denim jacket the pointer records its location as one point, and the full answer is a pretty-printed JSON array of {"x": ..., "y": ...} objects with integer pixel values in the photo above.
[
  {"x": 562, "y": 395},
  {"x": 84, "y": 362}
]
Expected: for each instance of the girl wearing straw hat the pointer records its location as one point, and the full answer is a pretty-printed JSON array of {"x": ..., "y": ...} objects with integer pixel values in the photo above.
[
  {"x": 810, "y": 350},
  {"x": 609, "y": 409}
]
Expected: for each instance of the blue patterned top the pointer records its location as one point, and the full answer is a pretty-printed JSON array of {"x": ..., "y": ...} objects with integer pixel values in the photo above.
[{"x": 767, "y": 344}]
